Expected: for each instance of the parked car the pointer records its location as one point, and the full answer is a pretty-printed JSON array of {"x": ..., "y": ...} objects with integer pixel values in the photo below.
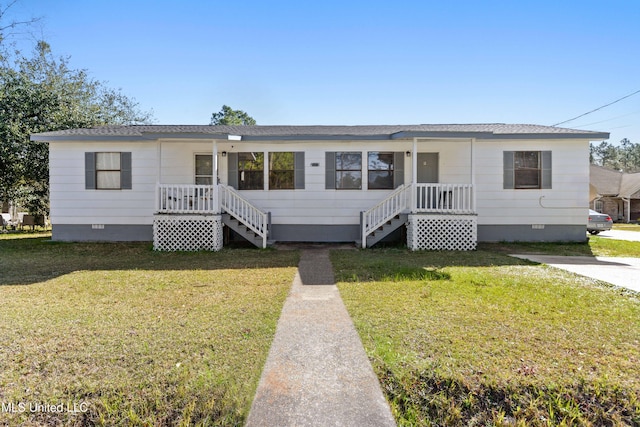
[{"x": 598, "y": 222}]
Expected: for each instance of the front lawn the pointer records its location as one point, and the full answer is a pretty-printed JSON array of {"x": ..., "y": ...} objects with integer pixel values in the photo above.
[
  {"x": 596, "y": 246},
  {"x": 123, "y": 335},
  {"x": 480, "y": 338},
  {"x": 626, "y": 227}
]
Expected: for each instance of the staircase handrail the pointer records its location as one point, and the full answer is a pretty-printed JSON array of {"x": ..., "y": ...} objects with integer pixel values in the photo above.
[
  {"x": 392, "y": 205},
  {"x": 244, "y": 211}
]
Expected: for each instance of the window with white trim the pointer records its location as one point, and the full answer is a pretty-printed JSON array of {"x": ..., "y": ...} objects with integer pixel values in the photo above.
[
  {"x": 527, "y": 170},
  {"x": 380, "y": 170},
  {"x": 348, "y": 170},
  {"x": 108, "y": 170},
  {"x": 251, "y": 171},
  {"x": 204, "y": 169}
]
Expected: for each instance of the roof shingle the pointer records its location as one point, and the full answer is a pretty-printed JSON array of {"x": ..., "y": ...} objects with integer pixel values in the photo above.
[{"x": 305, "y": 132}]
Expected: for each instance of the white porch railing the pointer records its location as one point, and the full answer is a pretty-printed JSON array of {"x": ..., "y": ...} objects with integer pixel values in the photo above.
[
  {"x": 245, "y": 212},
  {"x": 182, "y": 198},
  {"x": 423, "y": 198},
  {"x": 392, "y": 205},
  {"x": 444, "y": 198}
]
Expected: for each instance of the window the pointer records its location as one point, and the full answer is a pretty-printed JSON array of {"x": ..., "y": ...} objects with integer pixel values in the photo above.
[
  {"x": 380, "y": 170},
  {"x": 348, "y": 171},
  {"x": 204, "y": 169},
  {"x": 281, "y": 171},
  {"x": 527, "y": 169},
  {"x": 107, "y": 171},
  {"x": 251, "y": 171},
  {"x": 598, "y": 206}
]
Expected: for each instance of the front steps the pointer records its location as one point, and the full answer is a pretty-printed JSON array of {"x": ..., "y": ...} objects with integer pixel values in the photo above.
[
  {"x": 243, "y": 231},
  {"x": 385, "y": 229}
]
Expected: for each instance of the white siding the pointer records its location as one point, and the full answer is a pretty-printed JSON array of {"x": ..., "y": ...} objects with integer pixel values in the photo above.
[
  {"x": 315, "y": 204},
  {"x": 71, "y": 203},
  {"x": 565, "y": 203}
]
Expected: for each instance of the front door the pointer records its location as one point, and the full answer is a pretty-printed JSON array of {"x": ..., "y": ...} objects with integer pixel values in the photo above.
[
  {"x": 427, "y": 173},
  {"x": 427, "y": 167}
]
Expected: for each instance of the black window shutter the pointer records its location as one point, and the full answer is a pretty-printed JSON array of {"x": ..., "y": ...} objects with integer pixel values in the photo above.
[
  {"x": 398, "y": 169},
  {"x": 508, "y": 180},
  {"x": 330, "y": 170},
  {"x": 90, "y": 171},
  {"x": 125, "y": 171},
  {"x": 298, "y": 173},
  {"x": 232, "y": 170},
  {"x": 546, "y": 169}
]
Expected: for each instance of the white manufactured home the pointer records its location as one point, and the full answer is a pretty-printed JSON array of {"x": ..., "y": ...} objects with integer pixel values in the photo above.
[{"x": 448, "y": 186}]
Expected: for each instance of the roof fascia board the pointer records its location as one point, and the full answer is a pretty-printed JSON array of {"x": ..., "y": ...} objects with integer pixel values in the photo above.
[
  {"x": 190, "y": 135},
  {"x": 87, "y": 138},
  {"x": 490, "y": 135},
  {"x": 315, "y": 138},
  {"x": 439, "y": 135}
]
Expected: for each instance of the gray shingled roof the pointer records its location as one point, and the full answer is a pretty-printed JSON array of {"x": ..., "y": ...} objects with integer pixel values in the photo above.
[
  {"x": 630, "y": 185},
  {"x": 606, "y": 181},
  {"x": 614, "y": 183},
  {"x": 494, "y": 130}
]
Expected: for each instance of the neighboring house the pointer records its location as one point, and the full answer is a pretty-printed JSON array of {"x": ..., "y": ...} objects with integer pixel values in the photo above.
[
  {"x": 449, "y": 185},
  {"x": 615, "y": 193}
]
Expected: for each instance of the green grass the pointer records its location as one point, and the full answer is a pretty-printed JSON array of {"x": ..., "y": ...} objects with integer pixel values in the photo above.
[
  {"x": 480, "y": 338},
  {"x": 136, "y": 337},
  {"x": 596, "y": 246},
  {"x": 627, "y": 227}
]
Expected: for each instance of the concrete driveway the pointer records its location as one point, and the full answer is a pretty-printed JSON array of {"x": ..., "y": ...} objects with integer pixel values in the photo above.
[
  {"x": 633, "y": 236},
  {"x": 619, "y": 271}
]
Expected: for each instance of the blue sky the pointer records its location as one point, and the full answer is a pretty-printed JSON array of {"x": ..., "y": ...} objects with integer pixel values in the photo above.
[{"x": 360, "y": 62}]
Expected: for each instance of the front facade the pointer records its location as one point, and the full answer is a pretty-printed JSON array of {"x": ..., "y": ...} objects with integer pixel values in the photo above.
[{"x": 449, "y": 186}]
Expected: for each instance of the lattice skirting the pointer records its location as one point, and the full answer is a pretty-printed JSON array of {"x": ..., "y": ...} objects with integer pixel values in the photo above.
[
  {"x": 442, "y": 232},
  {"x": 187, "y": 232}
]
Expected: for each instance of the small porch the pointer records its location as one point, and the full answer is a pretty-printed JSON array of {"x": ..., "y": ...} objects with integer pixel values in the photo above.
[
  {"x": 437, "y": 216},
  {"x": 191, "y": 217}
]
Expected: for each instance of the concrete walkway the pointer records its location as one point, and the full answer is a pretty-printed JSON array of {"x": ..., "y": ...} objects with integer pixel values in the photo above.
[{"x": 317, "y": 372}]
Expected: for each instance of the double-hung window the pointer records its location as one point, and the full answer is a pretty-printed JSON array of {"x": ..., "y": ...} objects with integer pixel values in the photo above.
[
  {"x": 380, "y": 170},
  {"x": 204, "y": 169},
  {"x": 348, "y": 170},
  {"x": 527, "y": 169},
  {"x": 281, "y": 171},
  {"x": 107, "y": 170},
  {"x": 251, "y": 171}
]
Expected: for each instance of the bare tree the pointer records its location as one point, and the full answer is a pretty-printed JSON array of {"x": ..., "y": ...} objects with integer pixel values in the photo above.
[{"x": 10, "y": 27}]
